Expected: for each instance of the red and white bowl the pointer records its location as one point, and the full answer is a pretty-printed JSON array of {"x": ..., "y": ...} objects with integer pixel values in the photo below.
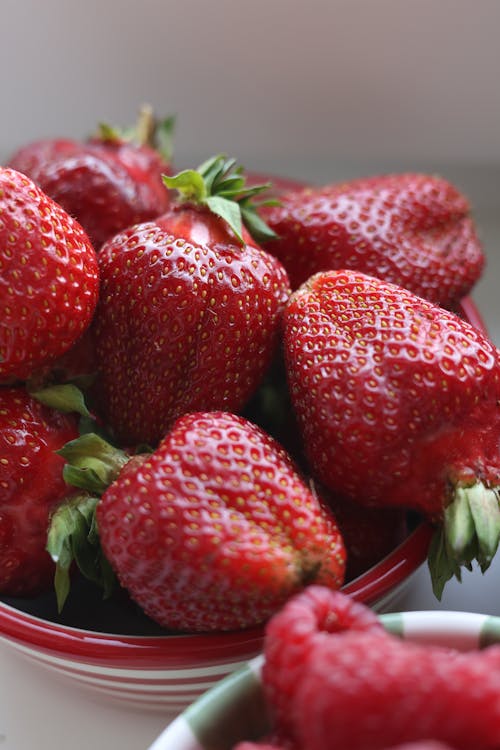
[{"x": 111, "y": 649}]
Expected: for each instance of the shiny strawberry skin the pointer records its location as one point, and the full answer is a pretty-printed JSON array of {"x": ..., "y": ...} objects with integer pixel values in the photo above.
[
  {"x": 187, "y": 320},
  {"x": 48, "y": 278},
  {"x": 106, "y": 185},
  {"x": 31, "y": 485},
  {"x": 410, "y": 229},
  {"x": 215, "y": 529},
  {"x": 397, "y": 399}
]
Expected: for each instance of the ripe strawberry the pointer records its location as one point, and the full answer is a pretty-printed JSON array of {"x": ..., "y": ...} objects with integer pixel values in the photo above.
[
  {"x": 398, "y": 402},
  {"x": 369, "y": 534},
  {"x": 109, "y": 182},
  {"x": 31, "y": 486},
  {"x": 410, "y": 229},
  {"x": 331, "y": 672},
  {"x": 189, "y": 313},
  {"x": 215, "y": 529},
  {"x": 48, "y": 278}
]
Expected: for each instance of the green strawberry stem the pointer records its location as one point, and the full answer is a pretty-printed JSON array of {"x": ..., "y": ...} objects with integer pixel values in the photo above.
[
  {"x": 65, "y": 397},
  {"x": 221, "y": 186},
  {"x": 72, "y": 537},
  {"x": 147, "y": 131},
  {"x": 470, "y": 531},
  {"x": 92, "y": 464}
]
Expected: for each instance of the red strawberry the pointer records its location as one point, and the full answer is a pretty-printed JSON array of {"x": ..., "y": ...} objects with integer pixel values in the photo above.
[
  {"x": 48, "y": 278},
  {"x": 369, "y": 534},
  {"x": 189, "y": 313},
  {"x": 215, "y": 529},
  {"x": 398, "y": 402},
  {"x": 411, "y": 229},
  {"x": 31, "y": 486},
  {"x": 331, "y": 672},
  {"x": 108, "y": 183}
]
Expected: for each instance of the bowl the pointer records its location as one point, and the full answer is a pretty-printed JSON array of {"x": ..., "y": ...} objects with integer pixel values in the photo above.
[
  {"x": 235, "y": 710},
  {"x": 112, "y": 650}
]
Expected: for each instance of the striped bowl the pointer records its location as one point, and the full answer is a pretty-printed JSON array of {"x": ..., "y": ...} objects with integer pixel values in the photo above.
[
  {"x": 132, "y": 661},
  {"x": 234, "y": 710}
]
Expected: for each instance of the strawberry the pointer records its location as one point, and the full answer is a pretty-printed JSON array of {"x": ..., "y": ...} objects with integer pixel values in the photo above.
[
  {"x": 398, "y": 404},
  {"x": 109, "y": 182},
  {"x": 369, "y": 534},
  {"x": 212, "y": 531},
  {"x": 48, "y": 278},
  {"x": 31, "y": 485},
  {"x": 189, "y": 314},
  {"x": 332, "y": 671},
  {"x": 410, "y": 229}
]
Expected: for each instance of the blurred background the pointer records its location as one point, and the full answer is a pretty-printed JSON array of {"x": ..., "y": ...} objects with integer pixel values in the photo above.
[{"x": 320, "y": 90}]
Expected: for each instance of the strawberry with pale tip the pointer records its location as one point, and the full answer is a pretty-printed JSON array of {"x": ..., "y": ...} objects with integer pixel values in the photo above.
[{"x": 398, "y": 404}]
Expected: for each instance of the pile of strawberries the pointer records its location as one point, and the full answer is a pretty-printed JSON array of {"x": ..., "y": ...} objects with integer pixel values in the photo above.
[
  {"x": 333, "y": 677},
  {"x": 215, "y": 399}
]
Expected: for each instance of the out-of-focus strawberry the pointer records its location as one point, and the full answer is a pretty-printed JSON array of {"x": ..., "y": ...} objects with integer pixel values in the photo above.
[
  {"x": 398, "y": 402},
  {"x": 414, "y": 230},
  {"x": 108, "y": 182},
  {"x": 212, "y": 531},
  {"x": 190, "y": 309},
  {"x": 48, "y": 278},
  {"x": 332, "y": 672},
  {"x": 369, "y": 534},
  {"x": 31, "y": 486}
]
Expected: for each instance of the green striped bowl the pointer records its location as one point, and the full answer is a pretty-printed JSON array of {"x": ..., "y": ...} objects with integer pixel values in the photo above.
[{"x": 234, "y": 709}]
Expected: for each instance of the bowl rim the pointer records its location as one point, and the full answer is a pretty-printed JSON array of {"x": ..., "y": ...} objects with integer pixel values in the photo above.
[
  {"x": 56, "y": 638},
  {"x": 447, "y": 628}
]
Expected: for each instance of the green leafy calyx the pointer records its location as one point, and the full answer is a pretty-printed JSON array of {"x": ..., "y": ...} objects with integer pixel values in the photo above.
[
  {"x": 220, "y": 185},
  {"x": 73, "y": 537},
  {"x": 470, "y": 532}
]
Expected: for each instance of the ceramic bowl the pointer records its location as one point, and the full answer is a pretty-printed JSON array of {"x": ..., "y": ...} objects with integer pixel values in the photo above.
[
  {"x": 113, "y": 649},
  {"x": 234, "y": 710}
]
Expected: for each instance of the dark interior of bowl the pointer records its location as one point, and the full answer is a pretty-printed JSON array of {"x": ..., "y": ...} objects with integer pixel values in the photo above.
[{"x": 86, "y": 609}]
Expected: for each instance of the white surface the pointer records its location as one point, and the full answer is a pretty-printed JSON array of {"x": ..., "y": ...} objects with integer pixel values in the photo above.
[{"x": 320, "y": 90}]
